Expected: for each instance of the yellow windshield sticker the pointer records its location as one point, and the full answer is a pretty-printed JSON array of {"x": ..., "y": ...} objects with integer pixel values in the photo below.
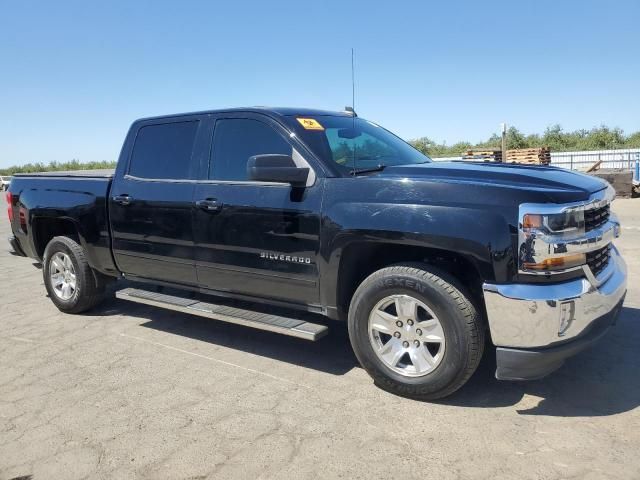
[{"x": 310, "y": 124}]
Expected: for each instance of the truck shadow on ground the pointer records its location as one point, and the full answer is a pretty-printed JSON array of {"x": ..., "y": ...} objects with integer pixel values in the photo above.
[
  {"x": 600, "y": 381},
  {"x": 332, "y": 354}
]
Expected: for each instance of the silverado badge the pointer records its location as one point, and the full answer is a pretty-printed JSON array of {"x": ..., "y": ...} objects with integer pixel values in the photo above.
[{"x": 281, "y": 257}]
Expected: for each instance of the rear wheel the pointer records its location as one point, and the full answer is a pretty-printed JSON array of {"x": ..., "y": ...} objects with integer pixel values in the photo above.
[
  {"x": 415, "y": 331},
  {"x": 72, "y": 284}
]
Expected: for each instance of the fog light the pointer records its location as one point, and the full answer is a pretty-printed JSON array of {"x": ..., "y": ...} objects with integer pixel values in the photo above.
[{"x": 567, "y": 315}]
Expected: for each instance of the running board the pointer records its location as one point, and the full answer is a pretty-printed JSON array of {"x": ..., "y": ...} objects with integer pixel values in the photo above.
[{"x": 249, "y": 318}]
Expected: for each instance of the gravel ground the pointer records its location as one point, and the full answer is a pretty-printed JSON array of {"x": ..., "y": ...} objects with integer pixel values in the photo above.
[{"x": 129, "y": 391}]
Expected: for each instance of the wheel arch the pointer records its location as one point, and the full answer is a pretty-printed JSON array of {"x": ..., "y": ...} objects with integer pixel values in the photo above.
[
  {"x": 44, "y": 229},
  {"x": 360, "y": 258}
]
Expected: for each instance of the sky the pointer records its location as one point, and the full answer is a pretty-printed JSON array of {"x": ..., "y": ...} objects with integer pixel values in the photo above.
[{"x": 74, "y": 75}]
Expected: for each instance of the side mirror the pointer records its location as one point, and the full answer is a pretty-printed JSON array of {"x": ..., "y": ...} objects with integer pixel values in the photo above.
[{"x": 276, "y": 168}]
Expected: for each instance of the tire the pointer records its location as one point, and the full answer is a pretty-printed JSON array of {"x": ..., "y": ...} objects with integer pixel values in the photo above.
[
  {"x": 440, "y": 357},
  {"x": 89, "y": 285}
]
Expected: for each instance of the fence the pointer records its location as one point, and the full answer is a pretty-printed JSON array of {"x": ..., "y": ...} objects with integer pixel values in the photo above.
[
  {"x": 625, "y": 159},
  {"x": 628, "y": 159}
]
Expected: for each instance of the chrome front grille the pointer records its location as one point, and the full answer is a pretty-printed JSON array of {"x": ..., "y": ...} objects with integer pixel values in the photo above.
[
  {"x": 597, "y": 260},
  {"x": 595, "y": 217}
]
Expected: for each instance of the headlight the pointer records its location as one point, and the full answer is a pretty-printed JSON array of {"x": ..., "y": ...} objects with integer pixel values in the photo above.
[
  {"x": 546, "y": 228},
  {"x": 570, "y": 222},
  {"x": 552, "y": 237}
]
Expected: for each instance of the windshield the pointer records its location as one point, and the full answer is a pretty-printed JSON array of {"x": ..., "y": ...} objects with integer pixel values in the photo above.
[{"x": 355, "y": 144}]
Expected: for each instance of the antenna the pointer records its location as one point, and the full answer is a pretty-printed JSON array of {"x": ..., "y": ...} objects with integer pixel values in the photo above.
[
  {"x": 353, "y": 83},
  {"x": 353, "y": 111}
]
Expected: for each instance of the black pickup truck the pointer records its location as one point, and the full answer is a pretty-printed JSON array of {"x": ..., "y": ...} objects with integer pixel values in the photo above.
[{"x": 326, "y": 212}]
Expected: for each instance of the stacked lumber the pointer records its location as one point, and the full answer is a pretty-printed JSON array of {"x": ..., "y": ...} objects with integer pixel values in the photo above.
[
  {"x": 531, "y": 156},
  {"x": 486, "y": 155},
  {"x": 620, "y": 179}
]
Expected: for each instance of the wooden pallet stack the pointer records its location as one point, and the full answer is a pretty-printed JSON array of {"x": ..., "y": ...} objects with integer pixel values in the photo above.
[
  {"x": 530, "y": 156},
  {"x": 486, "y": 155}
]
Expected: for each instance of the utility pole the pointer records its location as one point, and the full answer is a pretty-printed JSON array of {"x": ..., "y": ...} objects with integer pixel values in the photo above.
[{"x": 503, "y": 127}]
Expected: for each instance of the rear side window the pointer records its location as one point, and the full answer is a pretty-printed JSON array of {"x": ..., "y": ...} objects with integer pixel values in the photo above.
[
  {"x": 164, "y": 151},
  {"x": 237, "y": 139}
]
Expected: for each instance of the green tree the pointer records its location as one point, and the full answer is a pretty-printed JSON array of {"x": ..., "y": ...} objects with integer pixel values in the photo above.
[
  {"x": 633, "y": 141},
  {"x": 515, "y": 139}
]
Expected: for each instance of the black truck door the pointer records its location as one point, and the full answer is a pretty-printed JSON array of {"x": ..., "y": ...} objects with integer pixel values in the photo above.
[
  {"x": 255, "y": 238},
  {"x": 151, "y": 201}
]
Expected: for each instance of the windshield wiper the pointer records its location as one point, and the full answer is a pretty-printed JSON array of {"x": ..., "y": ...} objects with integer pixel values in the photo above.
[{"x": 379, "y": 168}]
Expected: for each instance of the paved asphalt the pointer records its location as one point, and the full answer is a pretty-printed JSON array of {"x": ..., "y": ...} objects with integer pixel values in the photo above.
[{"x": 129, "y": 391}]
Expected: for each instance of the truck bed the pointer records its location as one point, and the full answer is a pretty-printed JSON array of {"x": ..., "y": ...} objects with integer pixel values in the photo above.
[{"x": 56, "y": 203}]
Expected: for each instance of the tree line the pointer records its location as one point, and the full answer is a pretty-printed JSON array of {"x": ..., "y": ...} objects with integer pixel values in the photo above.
[
  {"x": 56, "y": 167},
  {"x": 554, "y": 137}
]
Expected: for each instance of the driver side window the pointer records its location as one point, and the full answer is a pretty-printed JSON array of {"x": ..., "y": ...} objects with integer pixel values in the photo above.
[{"x": 237, "y": 139}]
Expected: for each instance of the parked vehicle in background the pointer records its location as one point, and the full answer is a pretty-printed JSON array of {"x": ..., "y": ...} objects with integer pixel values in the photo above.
[
  {"x": 330, "y": 213},
  {"x": 5, "y": 181}
]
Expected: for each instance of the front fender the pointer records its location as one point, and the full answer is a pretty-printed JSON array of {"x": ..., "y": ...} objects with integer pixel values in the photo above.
[{"x": 479, "y": 235}]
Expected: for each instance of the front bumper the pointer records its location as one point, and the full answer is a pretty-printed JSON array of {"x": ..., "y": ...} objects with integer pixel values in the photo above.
[{"x": 536, "y": 327}]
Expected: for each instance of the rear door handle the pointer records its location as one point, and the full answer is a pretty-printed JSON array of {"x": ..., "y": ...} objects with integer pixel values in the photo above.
[
  {"x": 209, "y": 205},
  {"x": 122, "y": 199}
]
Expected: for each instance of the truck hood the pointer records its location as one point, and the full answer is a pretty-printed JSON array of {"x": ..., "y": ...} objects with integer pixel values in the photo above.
[{"x": 553, "y": 184}]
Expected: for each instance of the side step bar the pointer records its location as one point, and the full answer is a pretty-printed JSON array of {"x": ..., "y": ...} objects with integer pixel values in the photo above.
[{"x": 249, "y": 318}]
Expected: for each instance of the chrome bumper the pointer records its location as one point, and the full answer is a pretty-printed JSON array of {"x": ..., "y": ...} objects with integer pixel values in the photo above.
[{"x": 534, "y": 315}]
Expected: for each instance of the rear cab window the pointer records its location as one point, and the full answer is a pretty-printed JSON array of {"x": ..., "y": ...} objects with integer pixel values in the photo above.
[{"x": 164, "y": 151}]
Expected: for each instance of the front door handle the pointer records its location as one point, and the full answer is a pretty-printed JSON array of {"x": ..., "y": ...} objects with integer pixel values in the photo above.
[
  {"x": 122, "y": 199},
  {"x": 209, "y": 205}
]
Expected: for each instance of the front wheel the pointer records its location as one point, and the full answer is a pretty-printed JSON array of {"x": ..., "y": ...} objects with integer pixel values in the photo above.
[
  {"x": 415, "y": 331},
  {"x": 72, "y": 284}
]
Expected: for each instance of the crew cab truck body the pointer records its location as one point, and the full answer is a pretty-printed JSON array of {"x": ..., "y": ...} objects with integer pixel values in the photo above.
[{"x": 329, "y": 213}]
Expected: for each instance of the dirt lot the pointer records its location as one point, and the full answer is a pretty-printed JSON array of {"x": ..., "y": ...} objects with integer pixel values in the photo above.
[{"x": 130, "y": 391}]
